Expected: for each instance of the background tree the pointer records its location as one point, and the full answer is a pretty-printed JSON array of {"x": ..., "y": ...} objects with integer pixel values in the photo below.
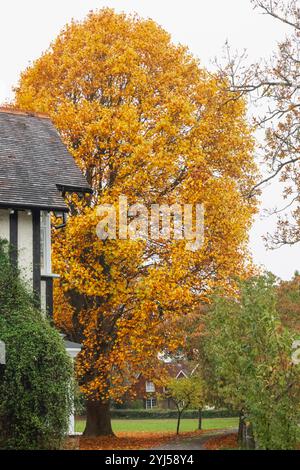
[
  {"x": 288, "y": 302},
  {"x": 274, "y": 86},
  {"x": 186, "y": 393},
  {"x": 142, "y": 119},
  {"x": 251, "y": 352}
]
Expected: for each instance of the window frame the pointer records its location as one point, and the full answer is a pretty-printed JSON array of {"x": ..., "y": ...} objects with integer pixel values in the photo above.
[
  {"x": 151, "y": 403},
  {"x": 150, "y": 387}
]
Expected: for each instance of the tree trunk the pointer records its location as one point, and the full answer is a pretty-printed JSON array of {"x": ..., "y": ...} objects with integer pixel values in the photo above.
[
  {"x": 200, "y": 419},
  {"x": 98, "y": 419},
  {"x": 178, "y": 422},
  {"x": 250, "y": 444},
  {"x": 241, "y": 431},
  {"x": 245, "y": 433}
]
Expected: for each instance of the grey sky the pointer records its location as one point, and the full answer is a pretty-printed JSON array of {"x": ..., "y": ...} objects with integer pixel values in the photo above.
[{"x": 28, "y": 27}]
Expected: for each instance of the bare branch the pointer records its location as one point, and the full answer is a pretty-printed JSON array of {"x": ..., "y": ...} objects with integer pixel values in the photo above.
[
  {"x": 268, "y": 8},
  {"x": 272, "y": 176}
]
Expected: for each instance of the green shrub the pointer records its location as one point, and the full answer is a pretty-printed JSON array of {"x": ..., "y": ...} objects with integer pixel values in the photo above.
[
  {"x": 169, "y": 414},
  {"x": 35, "y": 387},
  {"x": 137, "y": 405},
  {"x": 132, "y": 405},
  {"x": 250, "y": 350}
]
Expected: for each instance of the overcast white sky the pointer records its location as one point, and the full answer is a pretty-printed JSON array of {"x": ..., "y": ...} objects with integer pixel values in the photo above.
[{"x": 28, "y": 27}]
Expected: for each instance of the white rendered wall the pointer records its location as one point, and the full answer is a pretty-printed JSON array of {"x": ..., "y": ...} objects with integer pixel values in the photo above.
[
  {"x": 4, "y": 224},
  {"x": 43, "y": 298},
  {"x": 46, "y": 266},
  {"x": 25, "y": 249}
]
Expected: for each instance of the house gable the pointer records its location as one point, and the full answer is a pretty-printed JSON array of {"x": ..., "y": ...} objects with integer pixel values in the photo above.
[{"x": 36, "y": 168}]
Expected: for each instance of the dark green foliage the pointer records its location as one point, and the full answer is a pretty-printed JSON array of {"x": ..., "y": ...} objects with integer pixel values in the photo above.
[
  {"x": 137, "y": 404},
  {"x": 13, "y": 296},
  {"x": 35, "y": 387},
  {"x": 169, "y": 414}
]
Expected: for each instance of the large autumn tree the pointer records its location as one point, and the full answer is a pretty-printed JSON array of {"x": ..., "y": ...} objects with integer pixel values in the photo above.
[{"x": 143, "y": 119}]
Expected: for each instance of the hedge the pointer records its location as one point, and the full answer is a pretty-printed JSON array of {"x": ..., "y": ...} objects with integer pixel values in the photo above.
[{"x": 169, "y": 414}]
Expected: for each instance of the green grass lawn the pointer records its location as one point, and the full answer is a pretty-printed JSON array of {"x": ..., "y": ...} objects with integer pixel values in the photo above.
[{"x": 165, "y": 425}]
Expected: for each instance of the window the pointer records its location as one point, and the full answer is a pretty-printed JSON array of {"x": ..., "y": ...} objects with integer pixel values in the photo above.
[
  {"x": 150, "y": 403},
  {"x": 150, "y": 387},
  {"x": 46, "y": 267}
]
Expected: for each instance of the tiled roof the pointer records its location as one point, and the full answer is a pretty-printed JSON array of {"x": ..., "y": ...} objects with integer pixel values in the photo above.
[{"x": 34, "y": 163}]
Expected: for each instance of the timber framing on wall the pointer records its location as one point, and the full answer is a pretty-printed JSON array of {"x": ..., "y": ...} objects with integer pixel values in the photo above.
[
  {"x": 36, "y": 262},
  {"x": 13, "y": 237}
]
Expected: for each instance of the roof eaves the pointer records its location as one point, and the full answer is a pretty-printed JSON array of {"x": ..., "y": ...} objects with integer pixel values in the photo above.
[
  {"x": 56, "y": 208},
  {"x": 74, "y": 189}
]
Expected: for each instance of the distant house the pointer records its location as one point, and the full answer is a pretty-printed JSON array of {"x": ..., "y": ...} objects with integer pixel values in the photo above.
[
  {"x": 36, "y": 171},
  {"x": 150, "y": 394}
]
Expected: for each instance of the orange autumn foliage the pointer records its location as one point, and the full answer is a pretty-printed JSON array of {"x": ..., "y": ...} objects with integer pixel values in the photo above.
[
  {"x": 222, "y": 442},
  {"x": 129, "y": 441},
  {"x": 141, "y": 118}
]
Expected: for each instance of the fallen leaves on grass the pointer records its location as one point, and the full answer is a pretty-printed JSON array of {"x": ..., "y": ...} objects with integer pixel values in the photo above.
[
  {"x": 222, "y": 442},
  {"x": 132, "y": 441}
]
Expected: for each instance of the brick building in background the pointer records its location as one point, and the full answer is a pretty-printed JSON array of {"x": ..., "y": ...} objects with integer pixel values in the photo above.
[{"x": 150, "y": 394}]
